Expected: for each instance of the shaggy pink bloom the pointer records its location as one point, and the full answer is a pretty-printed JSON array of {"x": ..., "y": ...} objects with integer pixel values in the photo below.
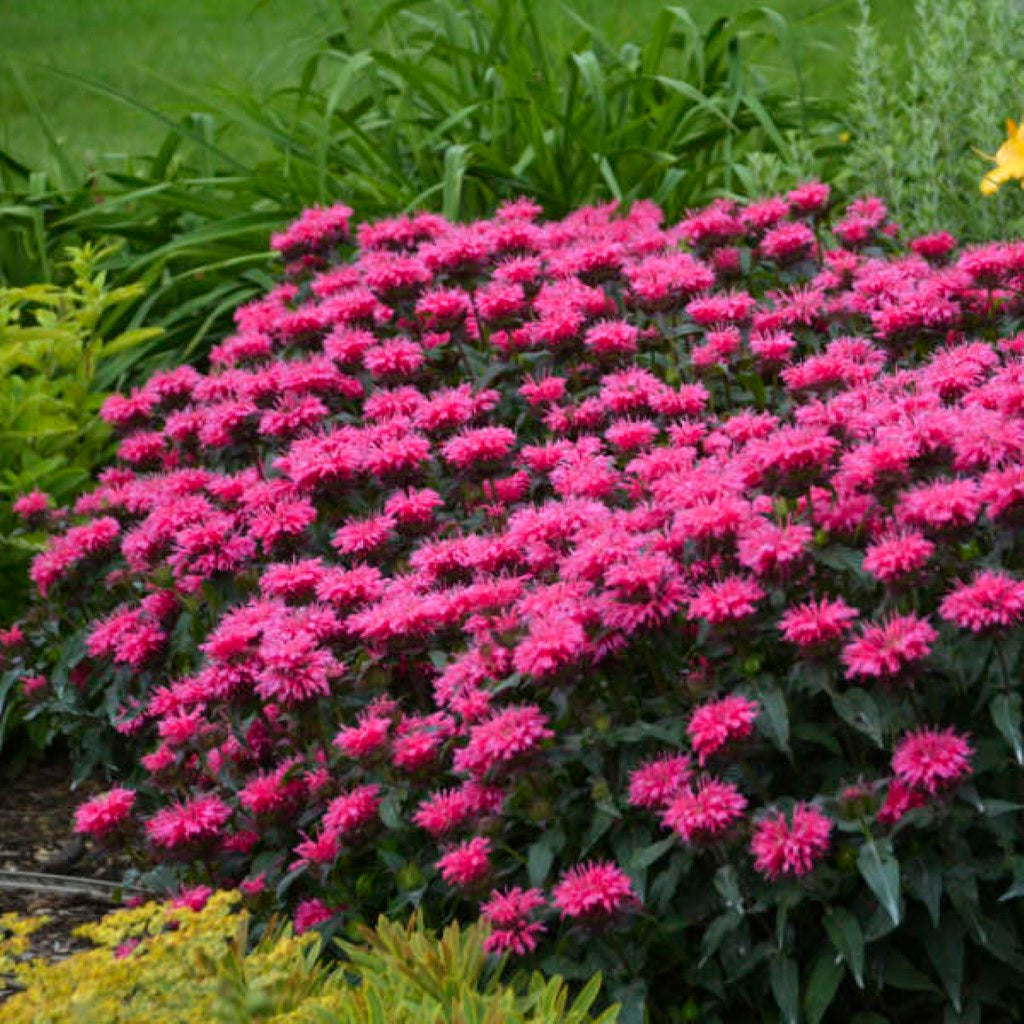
[
  {"x": 932, "y": 759},
  {"x": 365, "y": 738},
  {"x": 509, "y": 913},
  {"x": 935, "y": 246},
  {"x": 444, "y": 811},
  {"x": 655, "y": 783},
  {"x": 467, "y": 863},
  {"x": 733, "y": 598},
  {"x": 32, "y": 506},
  {"x": 896, "y": 554},
  {"x": 351, "y": 811},
  {"x": 885, "y": 649},
  {"x": 31, "y": 685},
  {"x": 809, "y": 197},
  {"x": 993, "y": 599},
  {"x": 817, "y": 622},
  {"x": 192, "y": 821},
  {"x": 781, "y": 847},
  {"x": 310, "y": 913},
  {"x": 105, "y": 813},
  {"x": 193, "y": 897},
  {"x": 721, "y": 722},
  {"x": 788, "y": 243},
  {"x": 482, "y": 445},
  {"x": 706, "y": 812},
  {"x": 502, "y": 739},
  {"x": 593, "y": 889},
  {"x": 899, "y": 799},
  {"x": 612, "y": 338}
]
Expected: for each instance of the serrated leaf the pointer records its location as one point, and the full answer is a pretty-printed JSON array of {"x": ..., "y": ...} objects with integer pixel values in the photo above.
[
  {"x": 845, "y": 932},
  {"x": 541, "y": 856},
  {"x": 881, "y": 870},
  {"x": 945, "y": 949}
]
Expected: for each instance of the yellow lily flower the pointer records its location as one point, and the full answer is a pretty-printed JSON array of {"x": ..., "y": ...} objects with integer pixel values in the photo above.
[{"x": 1009, "y": 160}]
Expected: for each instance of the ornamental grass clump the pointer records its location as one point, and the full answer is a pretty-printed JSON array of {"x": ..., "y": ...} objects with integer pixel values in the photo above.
[{"x": 652, "y": 591}]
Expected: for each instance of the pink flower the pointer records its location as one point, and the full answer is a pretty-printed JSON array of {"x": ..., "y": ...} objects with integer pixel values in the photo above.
[
  {"x": 310, "y": 913},
  {"x": 192, "y": 897},
  {"x": 993, "y": 599},
  {"x": 467, "y": 863},
  {"x": 886, "y": 649},
  {"x": 509, "y": 913},
  {"x": 897, "y": 554},
  {"x": 817, "y": 622},
  {"x": 899, "y": 799},
  {"x": 105, "y": 813},
  {"x": 32, "y": 506},
  {"x": 932, "y": 759},
  {"x": 199, "y": 820},
  {"x": 705, "y": 813},
  {"x": 365, "y": 738},
  {"x": 732, "y": 598},
  {"x": 593, "y": 889},
  {"x": 720, "y": 722},
  {"x": 782, "y": 847},
  {"x": 656, "y": 782},
  {"x": 502, "y": 739}
]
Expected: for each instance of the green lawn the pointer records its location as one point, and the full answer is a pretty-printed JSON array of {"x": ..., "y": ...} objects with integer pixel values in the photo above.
[{"x": 145, "y": 48}]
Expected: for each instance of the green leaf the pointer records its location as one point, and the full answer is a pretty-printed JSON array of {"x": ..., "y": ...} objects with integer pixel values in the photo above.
[
  {"x": 946, "y": 951},
  {"x": 859, "y": 710},
  {"x": 541, "y": 856},
  {"x": 775, "y": 720},
  {"x": 822, "y": 986},
  {"x": 785, "y": 981},
  {"x": 845, "y": 932},
  {"x": 881, "y": 870},
  {"x": 1005, "y": 709}
]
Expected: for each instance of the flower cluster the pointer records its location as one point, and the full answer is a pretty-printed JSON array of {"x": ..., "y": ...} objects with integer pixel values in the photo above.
[{"x": 494, "y": 562}]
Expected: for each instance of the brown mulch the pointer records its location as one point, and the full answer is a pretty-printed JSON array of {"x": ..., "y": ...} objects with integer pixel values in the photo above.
[{"x": 37, "y": 836}]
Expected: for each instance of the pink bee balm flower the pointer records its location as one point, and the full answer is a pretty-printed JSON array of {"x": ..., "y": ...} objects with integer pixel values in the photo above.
[
  {"x": 466, "y": 863},
  {"x": 883, "y": 650},
  {"x": 502, "y": 739},
  {"x": 897, "y": 554},
  {"x": 310, "y": 913},
  {"x": 721, "y": 722},
  {"x": 817, "y": 622},
  {"x": 932, "y": 759},
  {"x": 509, "y": 912},
  {"x": 593, "y": 889},
  {"x": 31, "y": 506},
  {"x": 782, "y": 847},
  {"x": 193, "y": 821},
  {"x": 900, "y": 799},
  {"x": 706, "y": 812},
  {"x": 732, "y": 598},
  {"x": 104, "y": 813},
  {"x": 655, "y": 783},
  {"x": 994, "y": 599}
]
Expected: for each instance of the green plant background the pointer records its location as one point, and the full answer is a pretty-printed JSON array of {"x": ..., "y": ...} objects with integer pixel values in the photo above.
[{"x": 152, "y": 50}]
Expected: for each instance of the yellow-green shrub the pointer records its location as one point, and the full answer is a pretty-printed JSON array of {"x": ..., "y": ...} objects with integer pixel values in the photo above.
[
  {"x": 159, "y": 964},
  {"x": 61, "y": 349}
]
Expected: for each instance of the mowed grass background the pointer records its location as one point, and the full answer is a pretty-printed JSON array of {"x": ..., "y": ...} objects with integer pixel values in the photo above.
[{"x": 166, "y": 54}]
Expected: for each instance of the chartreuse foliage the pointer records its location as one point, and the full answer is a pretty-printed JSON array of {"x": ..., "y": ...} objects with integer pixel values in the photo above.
[
  {"x": 173, "y": 965},
  {"x": 58, "y": 357},
  {"x": 451, "y": 105}
]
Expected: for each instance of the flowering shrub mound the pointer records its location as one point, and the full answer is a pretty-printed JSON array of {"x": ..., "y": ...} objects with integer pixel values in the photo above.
[{"x": 651, "y": 591}]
